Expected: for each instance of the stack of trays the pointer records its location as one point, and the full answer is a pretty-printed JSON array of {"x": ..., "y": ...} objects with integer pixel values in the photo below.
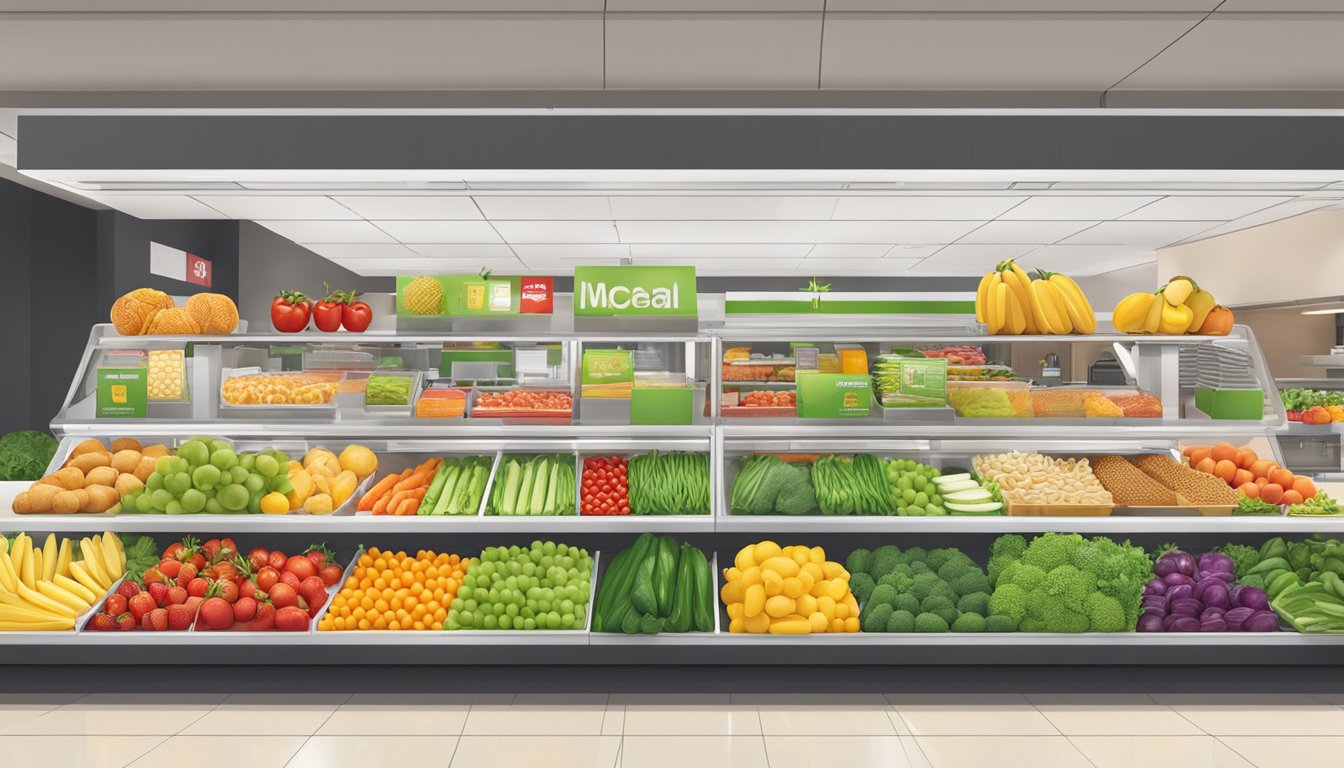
[{"x": 1225, "y": 388}]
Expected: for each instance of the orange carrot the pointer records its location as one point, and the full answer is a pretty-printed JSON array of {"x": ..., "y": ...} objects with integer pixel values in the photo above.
[
  {"x": 422, "y": 476},
  {"x": 408, "y": 507},
  {"x": 382, "y": 486},
  {"x": 400, "y": 497}
]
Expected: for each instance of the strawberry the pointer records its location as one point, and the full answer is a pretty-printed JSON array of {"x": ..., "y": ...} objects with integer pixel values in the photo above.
[
  {"x": 185, "y": 574},
  {"x": 216, "y": 613},
  {"x": 154, "y": 576},
  {"x": 211, "y": 549},
  {"x": 140, "y": 605},
  {"x": 198, "y": 587},
  {"x": 177, "y": 595},
  {"x": 283, "y": 595},
  {"x": 290, "y": 578},
  {"x": 245, "y": 609},
  {"x": 128, "y": 589},
  {"x": 265, "y": 618},
  {"x": 194, "y": 602},
  {"x": 228, "y": 590},
  {"x": 169, "y": 568},
  {"x": 314, "y": 591},
  {"x": 180, "y": 617},
  {"x": 115, "y": 604},
  {"x": 155, "y": 621},
  {"x": 291, "y": 619},
  {"x": 158, "y": 591},
  {"x": 126, "y": 622},
  {"x": 104, "y": 622}
]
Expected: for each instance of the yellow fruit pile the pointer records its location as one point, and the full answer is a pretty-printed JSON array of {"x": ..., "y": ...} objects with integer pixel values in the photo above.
[
  {"x": 146, "y": 311},
  {"x": 1178, "y": 307},
  {"x": 788, "y": 591},
  {"x": 397, "y": 592},
  {"x": 323, "y": 481},
  {"x": 45, "y": 588},
  {"x": 1009, "y": 302}
]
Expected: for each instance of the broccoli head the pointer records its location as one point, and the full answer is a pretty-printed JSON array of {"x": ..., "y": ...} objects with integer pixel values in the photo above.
[
  {"x": 874, "y": 618},
  {"x": 1009, "y": 600},
  {"x": 997, "y": 623},
  {"x": 858, "y": 561},
  {"x": 861, "y": 584},
  {"x": 1051, "y": 550},
  {"x": 1051, "y": 614},
  {"x": 970, "y": 583},
  {"x": 1028, "y": 577},
  {"x": 1070, "y": 586},
  {"x": 1009, "y": 545},
  {"x": 920, "y": 567},
  {"x": 969, "y": 622},
  {"x": 930, "y": 622},
  {"x": 882, "y": 594},
  {"x": 884, "y": 559},
  {"x": 925, "y": 584},
  {"x": 955, "y": 567},
  {"x": 1105, "y": 614},
  {"x": 939, "y": 606},
  {"x": 796, "y": 495},
  {"x": 902, "y": 582},
  {"x": 906, "y": 602},
  {"x": 975, "y": 602},
  {"x": 937, "y": 558},
  {"x": 901, "y": 621},
  {"x": 915, "y": 555}
]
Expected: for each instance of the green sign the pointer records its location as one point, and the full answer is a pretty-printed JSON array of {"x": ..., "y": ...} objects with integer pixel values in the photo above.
[
  {"x": 660, "y": 407},
  {"x": 458, "y": 296},
  {"x": 834, "y": 395},
  {"x": 634, "y": 292},
  {"x": 122, "y": 393}
]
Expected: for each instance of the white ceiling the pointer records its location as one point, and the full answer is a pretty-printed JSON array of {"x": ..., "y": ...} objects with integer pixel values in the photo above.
[{"x": 1081, "y": 225}]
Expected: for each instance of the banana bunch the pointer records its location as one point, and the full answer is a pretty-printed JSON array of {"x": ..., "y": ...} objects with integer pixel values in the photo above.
[
  {"x": 45, "y": 588},
  {"x": 1178, "y": 307},
  {"x": 1009, "y": 302}
]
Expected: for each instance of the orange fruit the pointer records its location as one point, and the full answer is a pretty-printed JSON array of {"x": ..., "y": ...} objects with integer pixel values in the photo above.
[
  {"x": 1246, "y": 458},
  {"x": 1224, "y": 452},
  {"x": 1243, "y": 477},
  {"x": 1225, "y": 470},
  {"x": 1206, "y": 465},
  {"x": 1199, "y": 453},
  {"x": 1292, "y": 497},
  {"x": 1282, "y": 477},
  {"x": 1261, "y": 468},
  {"x": 1249, "y": 490},
  {"x": 1304, "y": 486},
  {"x": 1261, "y": 482},
  {"x": 1272, "y": 493}
]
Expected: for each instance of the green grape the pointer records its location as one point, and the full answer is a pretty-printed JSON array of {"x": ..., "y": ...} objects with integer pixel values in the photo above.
[
  {"x": 237, "y": 475},
  {"x": 248, "y": 461},
  {"x": 205, "y": 476},
  {"x": 177, "y": 483},
  {"x": 213, "y": 507},
  {"x": 160, "y": 499},
  {"x": 224, "y": 458},
  {"x": 155, "y": 482},
  {"x": 254, "y": 483},
  {"x": 195, "y": 452},
  {"x": 266, "y": 466},
  {"x": 164, "y": 465},
  {"x": 193, "y": 501},
  {"x": 233, "y": 497}
]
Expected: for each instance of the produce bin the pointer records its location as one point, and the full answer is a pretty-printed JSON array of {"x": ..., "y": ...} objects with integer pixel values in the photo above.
[
  {"x": 413, "y": 394},
  {"x": 283, "y": 410},
  {"x": 579, "y": 636},
  {"x": 1055, "y": 510},
  {"x": 578, "y": 500},
  {"x": 496, "y": 476},
  {"x": 990, "y": 399},
  {"x": 395, "y": 463},
  {"x": 476, "y": 411},
  {"x": 668, "y": 638}
]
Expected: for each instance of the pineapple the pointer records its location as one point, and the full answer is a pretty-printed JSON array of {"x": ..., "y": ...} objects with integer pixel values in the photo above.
[{"x": 422, "y": 296}]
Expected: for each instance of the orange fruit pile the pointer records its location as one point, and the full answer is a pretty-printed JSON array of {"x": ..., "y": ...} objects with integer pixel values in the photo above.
[{"x": 395, "y": 591}]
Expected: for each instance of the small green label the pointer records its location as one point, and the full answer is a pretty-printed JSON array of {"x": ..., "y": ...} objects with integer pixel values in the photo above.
[
  {"x": 122, "y": 393},
  {"x": 662, "y": 406},
  {"x": 634, "y": 292},
  {"x": 834, "y": 395}
]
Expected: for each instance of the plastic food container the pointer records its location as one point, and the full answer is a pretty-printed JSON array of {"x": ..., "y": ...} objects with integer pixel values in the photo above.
[
  {"x": 990, "y": 399},
  {"x": 409, "y": 380},
  {"x": 166, "y": 379},
  {"x": 249, "y": 388},
  {"x": 441, "y": 401},
  {"x": 522, "y": 403},
  {"x": 991, "y": 373}
]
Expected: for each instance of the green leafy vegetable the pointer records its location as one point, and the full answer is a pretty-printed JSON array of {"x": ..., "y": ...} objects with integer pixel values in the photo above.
[
  {"x": 25, "y": 455},
  {"x": 141, "y": 555}
]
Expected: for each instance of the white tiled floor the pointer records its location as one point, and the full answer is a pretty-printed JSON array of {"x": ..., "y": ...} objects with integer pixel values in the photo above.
[{"x": 654, "y": 730}]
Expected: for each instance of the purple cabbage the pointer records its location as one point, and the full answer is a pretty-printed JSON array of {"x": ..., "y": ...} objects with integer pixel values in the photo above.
[
  {"x": 1212, "y": 612},
  {"x": 1216, "y": 595},
  {"x": 1253, "y": 597},
  {"x": 1173, "y": 579},
  {"x": 1174, "y": 562},
  {"x": 1155, "y": 587},
  {"x": 1180, "y": 592},
  {"x": 1237, "y": 617},
  {"x": 1150, "y": 623},
  {"x": 1223, "y": 576},
  {"x": 1261, "y": 621},
  {"x": 1215, "y": 561},
  {"x": 1187, "y": 606},
  {"x": 1176, "y": 623},
  {"x": 1214, "y": 624}
]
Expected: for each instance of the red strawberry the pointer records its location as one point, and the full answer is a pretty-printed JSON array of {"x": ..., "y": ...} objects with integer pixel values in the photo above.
[
  {"x": 155, "y": 621},
  {"x": 140, "y": 605},
  {"x": 247, "y": 587},
  {"x": 291, "y": 579},
  {"x": 198, "y": 587},
  {"x": 314, "y": 591},
  {"x": 228, "y": 590},
  {"x": 158, "y": 591},
  {"x": 330, "y": 573},
  {"x": 194, "y": 602},
  {"x": 265, "y": 618},
  {"x": 154, "y": 576},
  {"x": 185, "y": 574},
  {"x": 245, "y": 609},
  {"x": 128, "y": 589},
  {"x": 291, "y": 619},
  {"x": 169, "y": 568},
  {"x": 126, "y": 622},
  {"x": 115, "y": 604},
  {"x": 180, "y": 617},
  {"x": 283, "y": 595},
  {"x": 211, "y": 549},
  {"x": 104, "y": 622},
  {"x": 177, "y": 595},
  {"x": 216, "y": 613}
]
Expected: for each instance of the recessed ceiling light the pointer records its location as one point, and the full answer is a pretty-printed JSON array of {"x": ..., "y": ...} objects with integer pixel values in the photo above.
[{"x": 1334, "y": 311}]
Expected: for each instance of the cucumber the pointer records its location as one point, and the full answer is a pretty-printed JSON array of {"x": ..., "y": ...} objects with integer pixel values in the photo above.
[
  {"x": 972, "y": 509},
  {"x": 963, "y": 485},
  {"x": 975, "y": 495},
  {"x": 957, "y": 478}
]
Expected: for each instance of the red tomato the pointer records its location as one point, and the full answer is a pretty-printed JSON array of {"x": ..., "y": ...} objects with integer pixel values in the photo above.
[
  {"x": 290, "y": 311},
  {"x": 258, "y": 558},
  {"x": 356, "y": 315},
  {"x": 278, "y": 559},
  {"x": 327, "y": 315},
  {"x": 330, "y": 573},
  {"x": 301, "y": 567},
  {"x": 267, "y": 577}
]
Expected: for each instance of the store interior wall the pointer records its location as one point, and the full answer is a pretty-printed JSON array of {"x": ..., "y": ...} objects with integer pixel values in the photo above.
[
  {"x": 1285, "y": 335},
  {"x": 123, "y": 255}
]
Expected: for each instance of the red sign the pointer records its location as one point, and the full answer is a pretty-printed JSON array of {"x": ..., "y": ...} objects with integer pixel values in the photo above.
[
  {"x": 198, "y": 270},
  {"x": 537, "y": 296}
]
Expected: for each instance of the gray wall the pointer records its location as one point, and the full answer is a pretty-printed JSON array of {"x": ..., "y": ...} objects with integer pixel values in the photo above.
[
  {"x": 123, "y": 255},
  {"x": 16, "y": 258},
  {"x": 268, "y": 262}
]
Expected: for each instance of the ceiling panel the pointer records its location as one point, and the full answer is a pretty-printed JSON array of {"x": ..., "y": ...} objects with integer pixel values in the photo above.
[
  {"x": 440, "y": 231},
  {"x": 654, "y": 208},
  {"x": 328, "y": 231},
  {"x": 277, "y": 207},
  {"x": 969, "y": 259},
  {"x": 326, "y": 6},
  {"x": 463, "y": 251},
  {"x": 1019, "y": 6},
  {"x": 875, "y": 267},
  {"x": 1094, "y": 208},
  {"x": 792, "y": 231},
  {"x": 1079, "y": 260},
  {"x": 1199, "y": 208},
  {"x": 1150, "y": 234},
  {"x": 1268, "y": 215},
  {"x": 724, "y": 251},
  {"x": 1282, "y": 6},
  {"x": 1251, "y": 52},
  {"x": 413, "y": 265},
  {"x": 712, "y": 50},
  {"x": 553, "y": 254},
  {"x": 926, "y": 208},
  {"x": 339, "y": 251},
  {"x": 399, "y": 207},
  {"x": 754, "y": 6},
  {"x": 157, "y": 206},
  {"x": 288, "y": 51},
  {"x": 557, "y": 231},
  {"x": 1025, "y": 231},
  {"x": 856, "y": 251},
  {"x": 1028, "y": 52},
  {"x": 545, "y": 207}
]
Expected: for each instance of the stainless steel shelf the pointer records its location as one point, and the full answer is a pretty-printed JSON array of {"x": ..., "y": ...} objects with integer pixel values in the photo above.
[
  {"x": 352, "y": 524},
  {"x": 111, "y": 340},
  {"x": 1114, "y": 524},
  {"x": 370, "y": 429}
]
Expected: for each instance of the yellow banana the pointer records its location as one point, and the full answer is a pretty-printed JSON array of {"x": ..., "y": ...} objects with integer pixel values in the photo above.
[
  {"x": 998, "y": 309},
  {"x": 1018, "y": 283},
  {"x": 1083, "y": 318},
  {"x": 26, "y": 574},
  {"x": 49, "y": 557},
  {"x": 982, "y": 294},
  {"x": 1017, "y": 317},
  {"x": 1175, "y": 319},
  {"x": 63, "y": 558},
  {"x": 1178, "y": 289},
  {"x": 1201, "y": 303},
  {"x": 1130, "y": 312},
  {"x": 38, "y": 567},
  {"x": 74, "y": 587},
  {"x": 113, "y": 560},
  {"x": 46, "y": 603},
  {"x": 91, "y": 562},
  {"x": 1032, "y": 305},
  {"x": 9, "y": 579},
  {"x": 1153, "y": 320},
  {"x": 4, "y": 545},
  {"x": 1052, "y": 301},
  {"x": 68, "y": 599},
  {"x": 83, "y": 576}
]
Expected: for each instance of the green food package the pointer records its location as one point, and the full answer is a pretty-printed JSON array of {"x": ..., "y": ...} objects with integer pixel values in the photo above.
[
  {"x": 910, "y": 380},
  {"x": 834, "y": 395},
  {"x": 388, "y": 390}
]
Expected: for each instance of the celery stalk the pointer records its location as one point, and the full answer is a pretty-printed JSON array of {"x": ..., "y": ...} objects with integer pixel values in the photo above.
[
  {"x": 525, "y": 491},
  {"x": 511, "y": 488}
]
